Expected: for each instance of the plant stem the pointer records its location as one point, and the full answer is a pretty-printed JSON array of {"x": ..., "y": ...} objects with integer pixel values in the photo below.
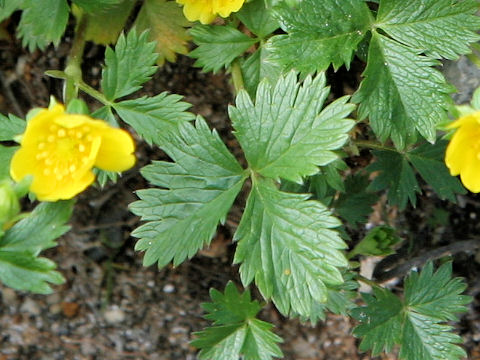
[
  {"x": 237, "y": 76},
  {"x": 93, "y": 93},
  {"x": 367, "y": 281},
  {"x": 74, "y": 61},
  {"x": 373, "y": 145}
]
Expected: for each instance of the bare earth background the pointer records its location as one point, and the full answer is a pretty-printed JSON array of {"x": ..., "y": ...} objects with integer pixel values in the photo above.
[{"x": 111, "y": 307}]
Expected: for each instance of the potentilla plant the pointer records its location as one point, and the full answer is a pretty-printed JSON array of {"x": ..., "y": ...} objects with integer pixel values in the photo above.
[{"x": 291, "y": 242}]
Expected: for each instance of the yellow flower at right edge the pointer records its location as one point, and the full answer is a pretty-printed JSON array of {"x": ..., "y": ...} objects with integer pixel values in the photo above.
[
  {"x": 60, "y": 150},
  {"x": 463, "y": 152},
  {"x": 207, "y": 10}
]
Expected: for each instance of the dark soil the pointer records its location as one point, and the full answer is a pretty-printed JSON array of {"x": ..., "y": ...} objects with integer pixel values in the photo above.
[{"x": 111, "y": 307}]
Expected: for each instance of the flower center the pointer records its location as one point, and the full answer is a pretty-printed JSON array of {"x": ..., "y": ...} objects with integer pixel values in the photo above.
[{"x": 65, "y": 151}]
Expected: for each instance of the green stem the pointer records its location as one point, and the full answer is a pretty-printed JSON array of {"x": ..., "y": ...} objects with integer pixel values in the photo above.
[
  {"x": 93, "y": 93},
  {"x": 367, "y": 281},
  {"x": 74, "y": 61},
  {"x": 237, "y": 76},
  {"x": 373, "y": 145}
]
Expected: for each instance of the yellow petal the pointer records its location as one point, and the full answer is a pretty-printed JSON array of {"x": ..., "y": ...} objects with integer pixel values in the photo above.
[
  {"x": 226, "y": 7},
  {"x": 67, "y": 189},
  {"x": 470, "y": 174},
  {"x": 199, "y": 10},
  {"x": 472, "y": 119},
  {"x": 461, "y": 144},
  {"x": 116, "y": 152}
]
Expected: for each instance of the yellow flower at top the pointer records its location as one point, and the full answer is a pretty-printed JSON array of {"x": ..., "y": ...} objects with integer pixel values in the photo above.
[
  {"x": 463, "y": 152},
  {"x": 59, "y": 150},
  {"x": 207, "y": 10}
]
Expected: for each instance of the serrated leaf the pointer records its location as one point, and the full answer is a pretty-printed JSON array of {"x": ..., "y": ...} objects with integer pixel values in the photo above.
[
  {"x": 256, "y": 68},
  {"x": 396, "y": 175},
  {"x": 285, "y": 134},
  {"x": 417, "y": 322},
  {"x": 440, "y": 28},
  {"x": 320, "y": 33},
  {"x": 195, "y": 194},
  {"x": 288, "y": 245},
  {"x": 128, "y": 66},
  {"x": 8, "y": 8},
  {"x": 25, "y": 271},
  {"x": 6, "y": 153},
  {"x": 42, "y": 22},
  {"x": 237, "y": 333},
  {"x": 104, "y": 27},
  {"x": 257, "y": 18},
  {"x": 167, "y": 26},
  {"x": 401, "y": 92},
  {"x": 153, "y": 116},
  {"x": 428, "y": 159},
  {"x": 96, "y": 6},
  {"x": 40, "y": 229},
  {"x": 218, "y": 46},
  {"x": 355, "y": 205}
]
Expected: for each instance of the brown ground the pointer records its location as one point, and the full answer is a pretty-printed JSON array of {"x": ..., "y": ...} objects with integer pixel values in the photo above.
[{"x": 111, "y": 307}]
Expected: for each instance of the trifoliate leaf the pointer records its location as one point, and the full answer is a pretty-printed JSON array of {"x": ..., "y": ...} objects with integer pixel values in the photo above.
[
  {"x": 40, "y": 229},
  {"x": 96, "y": 6},
  {"x": 25, "y": 271},
  {"x": 429, "y": 161},
  {"x": 128, "y": 66},
  {"x": 416, "y": 323},
  {"x": 218, "y": 46},
  {"x": 104, "y": 27},
  {"x": 166, "y": 25},
  {"x": 152, "y": 116},
  {"x": 396, "y": 175},
  {"x": 6, "y": 153},
  {"x": 257, "y": 68},
  {"x": 8, "y": 8},
  {"x": 440, "y": 28},
  {"x": 236, "y": 332},
  {"x": 320, "y": 33},
  {"x": 285, "y": 134},
  {"x": 288, "y": 244},
  {"x": 42, "y": 22},
  {"x": 401, "y": 92},
  {"x": 355, "y": 205},
  {"x": 10, "y": 127},
  {"x": 257, "y": 18},
  {"x": 196, "y": 191}
]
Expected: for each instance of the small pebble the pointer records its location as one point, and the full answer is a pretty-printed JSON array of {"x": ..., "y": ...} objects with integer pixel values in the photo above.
[
  {"x": 169, "y": 288},
  {"x": 114, "y": 315},
  {"x": 30, "y": 306},
  {"x": 9, "y": 296}
]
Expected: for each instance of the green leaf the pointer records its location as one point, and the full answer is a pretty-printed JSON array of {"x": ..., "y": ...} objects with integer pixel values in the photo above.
[
  {"x": 288, "y": 245},
  {"x": 128, "y": 66},
  {"x": 166, "y": 25},
  {"x": 96, "y": 6},
  {"x": 25, "y": 271},
  {"x": 440, "y": 28},
  {"x": 236, "y": 332},
  {"x": 218, "y": 46},
  {"x": 42, "y": 22},
  {"x": 257, "y": 18},
  {"x": 417, "y": 322},
  {"x": 378, "y": 242},
  {"x": 397, "y": 176},
  {"x": 40, "y": 229},
  {"x": 9, "y": 7},
  {"x": 428, "y": 159},
  {"x": 320, "y": 33},
  {"x": 257, "y": 68},
  {"x": 104, "y": 27},
  {"x": 355, "y": 205},
  {"x": 195, "y": 194},
  {"x": 401, "y": 92},
  {"x": 153, "y": 116},
  {"x": 6, "y": 153},
  {"x": 285, "y": 134}
]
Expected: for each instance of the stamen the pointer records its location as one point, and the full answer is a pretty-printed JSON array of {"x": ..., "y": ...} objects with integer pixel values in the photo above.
[
  {"x": 41, "y": 146},
  {"x": 81, "y": 148},
  {"x": 51, "y": 138},
  {"x": 72, "y": 168},
  {"x": 61, "y": 133}
]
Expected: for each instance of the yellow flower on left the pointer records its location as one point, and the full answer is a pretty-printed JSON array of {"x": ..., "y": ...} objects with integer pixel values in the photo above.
[
  {"x": 463, "y": 152},
  {"x": 60, "y": 150}
]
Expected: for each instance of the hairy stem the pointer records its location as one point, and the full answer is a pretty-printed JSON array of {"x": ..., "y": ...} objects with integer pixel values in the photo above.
[{"x": 237, "y": 76}]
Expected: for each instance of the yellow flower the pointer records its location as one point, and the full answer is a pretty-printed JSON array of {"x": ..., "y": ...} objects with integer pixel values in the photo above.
[
  {"x": 207, "y": 10},
  {"x": 463, "y": 152},
  {"x": 59, "y": 150}
]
